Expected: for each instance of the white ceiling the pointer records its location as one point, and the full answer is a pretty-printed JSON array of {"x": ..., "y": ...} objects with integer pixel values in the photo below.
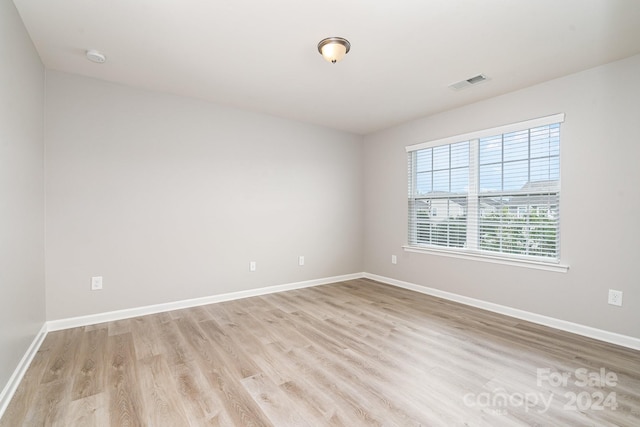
[{"x": 261, "y": 55}]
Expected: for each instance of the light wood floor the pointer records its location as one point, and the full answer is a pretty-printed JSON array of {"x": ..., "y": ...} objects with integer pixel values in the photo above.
[{"x": 352, "y": 354}]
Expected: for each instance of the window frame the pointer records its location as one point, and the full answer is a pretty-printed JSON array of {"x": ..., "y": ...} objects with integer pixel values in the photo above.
[{"x": 473, "y": 196}]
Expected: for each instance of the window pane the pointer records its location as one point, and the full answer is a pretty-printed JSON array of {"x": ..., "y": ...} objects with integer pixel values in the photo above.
[
  {"x": 491, "y": 150},
  {"x": 540, "y": 142},
  {"x": 460, "y": 180},
  {"x": 491, "y": 178},
  {"x": 441, "y": 181},
  {"x": 458, "y": 231},
  {"x": 441, "y": 157},
  {"x": 460, "y": 154},
  {"x": 443, "y": 222},
  {"x": 516, "y": 146},
  {"x": 540, "y": 169},
  {"x": 554, "y": 169},
  {"x": 554, "y": 139},
  {"x": 423, "y": 183},
  {"x": 520, "y": 225},
  {"x": 423, "y": 227},
  {"x": 423, "y": 160},
  {"x": 516, "y": 175}
]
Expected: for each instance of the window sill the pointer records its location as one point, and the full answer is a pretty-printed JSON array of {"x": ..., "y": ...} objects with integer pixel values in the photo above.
[{"x": 539, "y": 265}]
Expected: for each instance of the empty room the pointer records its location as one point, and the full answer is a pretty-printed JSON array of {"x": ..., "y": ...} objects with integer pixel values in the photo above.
[{"x": 338, "y": 213}]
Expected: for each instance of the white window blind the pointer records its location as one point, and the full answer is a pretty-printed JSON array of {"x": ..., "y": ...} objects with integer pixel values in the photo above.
[{"x": 496, "y": 191}]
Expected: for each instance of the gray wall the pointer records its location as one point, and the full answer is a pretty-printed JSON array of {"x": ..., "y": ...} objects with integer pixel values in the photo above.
[
  {"x": 22, "y": 294},
  {"x": 169, "y": 198},
  {"x": 600, "y": 152}
]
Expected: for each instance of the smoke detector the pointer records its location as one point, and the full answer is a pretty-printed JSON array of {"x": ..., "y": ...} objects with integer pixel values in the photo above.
[
  {"x": 95, "y": 56},
  {"x": 468, "y": 82}
]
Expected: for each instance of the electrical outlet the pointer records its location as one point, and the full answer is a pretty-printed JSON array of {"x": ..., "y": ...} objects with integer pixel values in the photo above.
[
  {"x": 96, "y": 283},
  {"x": 394, "y": 259},
  {"x": 301, "y": 260},
  {"x": 615, "y": 297},
  {"x": 252, "y": 266}
]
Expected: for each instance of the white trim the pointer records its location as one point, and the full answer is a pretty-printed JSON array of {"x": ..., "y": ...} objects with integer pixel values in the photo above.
[
  {"x": 92, "y": 319},
  {"x": 14, "y": 381},
  {"x": 538, "y": 265},
  {"x": 54, "y": 325},
  {"x": 498, "y": 130},
  {"x": 563, "y": 325}
]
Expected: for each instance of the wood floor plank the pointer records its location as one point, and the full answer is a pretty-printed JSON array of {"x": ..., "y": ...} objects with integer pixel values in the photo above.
[
  {"x": 118, "y": 327},
  {"x": 144, "y": 330},
  {"x": 234, "y": 359},
  {"x": 222, "y": 377},
  {"x": 249, "y": 341},
  {"x": 354, "y": 353},
  {"x": 50, "y": 404},
  {"x": 90, "y": 411},
  {"x": 240, "y": 408},
  {"x": 200, "y": 403},
  {"x": 91, "y": 359},
  {"x": 173, "y": 342},
  {"x": 318, "y": 406},
  {"x": 354, "y": 401},
  {"x": 123, "y": 384},
  {"x": 63, "y": 354},
  {"x": 278, "y": 408},
  {"x": 160, "y": 408}
]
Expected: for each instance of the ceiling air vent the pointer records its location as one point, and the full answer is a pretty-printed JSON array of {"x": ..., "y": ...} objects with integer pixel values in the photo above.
[{"x": 469, "y": 82}]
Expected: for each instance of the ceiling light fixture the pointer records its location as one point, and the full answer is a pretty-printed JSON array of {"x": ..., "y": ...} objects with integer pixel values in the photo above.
[
  {"x": 95, "y": 56},
  {"x": 333, "y": 49}
]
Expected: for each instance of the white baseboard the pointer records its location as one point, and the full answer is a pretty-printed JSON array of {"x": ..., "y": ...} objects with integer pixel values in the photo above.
[
  {"x": 92, "y": 319},
  {"x": 587, "y": 331},
  {"x": 54, "y": 325},
  {"x": 11, "y": 386}
]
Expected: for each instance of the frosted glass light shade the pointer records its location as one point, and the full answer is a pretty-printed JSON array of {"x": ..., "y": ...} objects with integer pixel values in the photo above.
[
  {"x": 333, "y": 52},
  {"x": 333, "y": 49}
]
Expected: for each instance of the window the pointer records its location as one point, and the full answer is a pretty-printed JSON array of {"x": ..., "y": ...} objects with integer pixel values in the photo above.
[{"x": 494, "y": 192}]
